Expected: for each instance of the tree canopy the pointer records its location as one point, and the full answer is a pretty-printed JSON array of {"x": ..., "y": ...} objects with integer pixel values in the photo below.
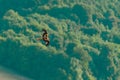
[{"x": 84, "y": 39}]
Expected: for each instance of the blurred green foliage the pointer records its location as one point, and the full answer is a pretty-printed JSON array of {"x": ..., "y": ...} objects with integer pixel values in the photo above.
[{"x": 84, "y": 39}]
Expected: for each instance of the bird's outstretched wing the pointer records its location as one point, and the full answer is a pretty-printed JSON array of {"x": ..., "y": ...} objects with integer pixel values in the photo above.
[
  {"x": 47, "y": 42},
  {"x": 45, "y": 31}
]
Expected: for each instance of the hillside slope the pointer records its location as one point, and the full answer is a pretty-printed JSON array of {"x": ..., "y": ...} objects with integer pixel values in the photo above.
[{"x": 84, "y": 38}]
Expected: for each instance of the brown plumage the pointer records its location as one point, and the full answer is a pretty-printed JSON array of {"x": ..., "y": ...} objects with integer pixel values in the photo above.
[{"x": 45, "y": 37}]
